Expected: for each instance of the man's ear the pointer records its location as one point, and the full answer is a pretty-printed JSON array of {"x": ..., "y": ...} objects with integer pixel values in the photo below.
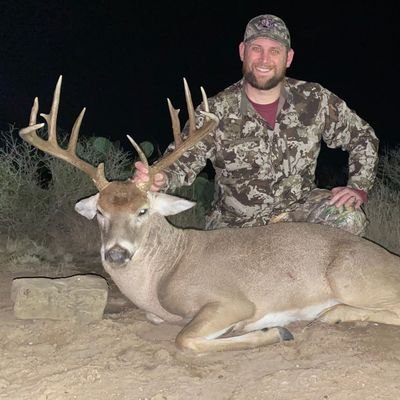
[
  {"x": 87, "y": 207},
  {"x": 289, "y": 58},
  {"x": 241, "y": 50}
]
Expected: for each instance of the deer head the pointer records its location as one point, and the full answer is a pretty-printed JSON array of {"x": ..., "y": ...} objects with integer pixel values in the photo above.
[{"x": 122, "y": 207}]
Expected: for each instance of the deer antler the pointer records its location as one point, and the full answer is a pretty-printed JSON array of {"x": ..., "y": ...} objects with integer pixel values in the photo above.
[
  {"x": 51, "y": 145},
  {"x": 194, "y": 136}
]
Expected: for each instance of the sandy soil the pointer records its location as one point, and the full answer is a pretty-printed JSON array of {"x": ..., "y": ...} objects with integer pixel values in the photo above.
[{"x": 125, "y": 357}]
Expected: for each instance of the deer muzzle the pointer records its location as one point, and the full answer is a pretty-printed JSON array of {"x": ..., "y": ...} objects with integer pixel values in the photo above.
[{"x": 117, "y": 256}]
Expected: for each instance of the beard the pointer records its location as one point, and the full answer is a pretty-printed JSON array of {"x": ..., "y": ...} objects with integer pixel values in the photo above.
[{"x": 252, "y": 80}]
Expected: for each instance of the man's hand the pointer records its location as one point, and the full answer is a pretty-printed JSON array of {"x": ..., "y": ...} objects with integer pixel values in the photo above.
[
  {"x": 348, "y": 197},
  {"x": 142, "y": 175}
]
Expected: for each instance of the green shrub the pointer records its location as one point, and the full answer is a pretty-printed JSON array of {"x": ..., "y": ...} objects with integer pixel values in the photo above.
[{"x": 202, "y": 192}]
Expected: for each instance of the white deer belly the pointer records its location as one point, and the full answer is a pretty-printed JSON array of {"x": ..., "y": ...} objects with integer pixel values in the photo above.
[{"x": 284, "y": 318}]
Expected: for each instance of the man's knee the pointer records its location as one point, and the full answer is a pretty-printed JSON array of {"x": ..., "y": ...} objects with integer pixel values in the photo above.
[
  {"x": 349, "y": 219},
  {"x": 353, "y": 221},
  {"x": 317, "y": 210}
]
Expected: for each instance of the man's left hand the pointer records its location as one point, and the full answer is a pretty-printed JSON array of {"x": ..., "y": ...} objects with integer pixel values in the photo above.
[{"x": 348, "y": 197}]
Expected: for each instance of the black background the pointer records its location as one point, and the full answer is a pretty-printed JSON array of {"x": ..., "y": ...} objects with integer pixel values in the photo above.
[{"x": 122, "y": 59}]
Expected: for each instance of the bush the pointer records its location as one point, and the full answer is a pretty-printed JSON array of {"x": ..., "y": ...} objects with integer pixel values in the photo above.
[
  {"x": 382, "y": 208},
  {"x": 22, "y": 197},
  {"x": 39, "y": 191},
  {"x": 202, "y": 192}
]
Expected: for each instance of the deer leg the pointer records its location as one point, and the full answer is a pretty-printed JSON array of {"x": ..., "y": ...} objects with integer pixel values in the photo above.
[
  {"x": 366, "y": 283},
  {"x": 154, "y": 319},
  {"x": 343, "y": 313},
  {"x": 216, "y": 328}
]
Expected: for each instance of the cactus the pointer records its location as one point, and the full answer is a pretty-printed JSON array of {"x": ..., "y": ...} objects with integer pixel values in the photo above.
[
  {"x": 148, "y": 148},
  {"x": 101, "y": 145},
  {"x": 202, "y": 192}
]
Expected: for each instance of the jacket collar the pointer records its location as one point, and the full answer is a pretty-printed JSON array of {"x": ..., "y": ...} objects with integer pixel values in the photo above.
[{"x": 246, "y": 107}]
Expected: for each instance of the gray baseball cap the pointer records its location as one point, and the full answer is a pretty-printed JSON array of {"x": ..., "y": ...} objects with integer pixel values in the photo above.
[{"x": 268, "y": 26}]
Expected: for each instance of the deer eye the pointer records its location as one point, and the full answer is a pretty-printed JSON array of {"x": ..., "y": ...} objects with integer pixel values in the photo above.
[
  {"x": 99, "y": 213},
  {"x": 142, "y": 211}
]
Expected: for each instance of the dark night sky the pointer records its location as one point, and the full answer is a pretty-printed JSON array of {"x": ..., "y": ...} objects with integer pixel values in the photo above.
[{"x": 122, "y": 59}]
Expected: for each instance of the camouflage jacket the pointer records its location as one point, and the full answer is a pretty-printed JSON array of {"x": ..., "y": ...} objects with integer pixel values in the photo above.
[{"x": 262, "y": 171}]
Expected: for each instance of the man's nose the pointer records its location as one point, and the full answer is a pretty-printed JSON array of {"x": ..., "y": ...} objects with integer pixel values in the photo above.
[{"x": 265, "y": 56}]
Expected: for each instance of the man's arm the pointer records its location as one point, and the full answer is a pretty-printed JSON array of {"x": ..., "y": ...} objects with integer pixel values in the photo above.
[{"x": 345, "y": 129}]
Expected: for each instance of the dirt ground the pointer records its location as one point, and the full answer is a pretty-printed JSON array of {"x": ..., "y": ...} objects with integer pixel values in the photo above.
[{"x": 125, "y": 357}]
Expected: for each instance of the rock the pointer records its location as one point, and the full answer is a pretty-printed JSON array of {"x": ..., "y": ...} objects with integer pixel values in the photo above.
[{"x": 80, "y": 298}]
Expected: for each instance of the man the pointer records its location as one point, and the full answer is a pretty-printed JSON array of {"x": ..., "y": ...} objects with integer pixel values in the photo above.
[{"x": 265, "y": 148}]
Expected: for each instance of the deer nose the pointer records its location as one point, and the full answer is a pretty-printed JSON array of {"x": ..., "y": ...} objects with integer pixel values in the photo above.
[{"x": 117, "y": 255}]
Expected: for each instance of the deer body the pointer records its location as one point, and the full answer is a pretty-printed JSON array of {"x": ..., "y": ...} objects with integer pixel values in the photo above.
[
  {"x": 237, "y": 282},
  {"x": 244, "y": 265},
  {"x": 231, "y": 288}
]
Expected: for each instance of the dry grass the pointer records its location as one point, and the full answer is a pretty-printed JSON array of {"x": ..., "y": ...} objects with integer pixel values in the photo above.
[
  {"x": 39, "y": 192},
  {"x": 384, "y": 200}
]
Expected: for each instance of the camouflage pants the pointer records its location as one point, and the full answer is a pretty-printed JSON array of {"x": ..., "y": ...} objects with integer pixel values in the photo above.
[{"x": 316, "y": 209}]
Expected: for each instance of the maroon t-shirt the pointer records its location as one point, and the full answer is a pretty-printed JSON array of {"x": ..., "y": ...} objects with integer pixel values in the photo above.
[{"x": 267, "y": 111}]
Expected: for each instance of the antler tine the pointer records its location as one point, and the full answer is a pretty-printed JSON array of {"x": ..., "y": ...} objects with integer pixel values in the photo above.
[
  {"x": 51, "y": 118},
  {"x": 33, "y": 115},
  {"x": 189, "y": 105},
  {"x": 73, "y": 140},
  {"x": 144, "y": 186},
  {"x": 51, "y": 146},
  {"x": 176, "y": 124},
  {"x": 142, "y": 156},
  {"x": 194, "y": 135},
  {"x": 205, "y": 100}
]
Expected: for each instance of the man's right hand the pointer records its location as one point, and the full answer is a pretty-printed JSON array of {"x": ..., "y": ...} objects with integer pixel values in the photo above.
[{"x": 141, "y": 175}]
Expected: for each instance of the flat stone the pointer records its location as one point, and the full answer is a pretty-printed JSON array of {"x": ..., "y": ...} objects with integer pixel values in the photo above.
[{"x": 79, "y": 298}]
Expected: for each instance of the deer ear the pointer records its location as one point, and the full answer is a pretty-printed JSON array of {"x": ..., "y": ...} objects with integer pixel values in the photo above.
[
  {"x": 166, "y": 204},
  {"x": 87, "y": 207}
]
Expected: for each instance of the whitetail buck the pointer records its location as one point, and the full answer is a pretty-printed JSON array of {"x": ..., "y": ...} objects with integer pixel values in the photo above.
[{"x": 230, "y": 288}]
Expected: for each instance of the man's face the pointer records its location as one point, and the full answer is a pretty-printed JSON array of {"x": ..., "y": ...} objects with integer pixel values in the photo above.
[{"x": 264, "y": 62}]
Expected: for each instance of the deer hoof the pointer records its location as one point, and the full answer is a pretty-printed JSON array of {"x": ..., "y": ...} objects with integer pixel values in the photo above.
[{"x": 285, "y": 334}]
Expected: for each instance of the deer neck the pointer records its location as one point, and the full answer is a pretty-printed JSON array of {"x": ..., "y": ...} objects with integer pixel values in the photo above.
[
  {"x": 161, "y": 248},
  {"x": 163, "y": 245}
]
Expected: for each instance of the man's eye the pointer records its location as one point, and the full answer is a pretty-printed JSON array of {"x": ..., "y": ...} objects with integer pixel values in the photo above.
[{"x": 142, "y": 211}]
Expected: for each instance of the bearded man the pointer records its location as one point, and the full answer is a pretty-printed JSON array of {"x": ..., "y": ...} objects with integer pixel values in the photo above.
[{"x": 265, "y": 147}]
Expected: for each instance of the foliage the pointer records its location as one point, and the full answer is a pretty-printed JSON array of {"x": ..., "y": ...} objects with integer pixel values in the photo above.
[
  {"x": 202, "y": 192},
  {"x": 148, "y": 148},
  {"x": 22, "y": 196},
  {"x": 389, "y": 168},
  {"x": 382, "y": 208},
  {"x": 39, "y": 191}
]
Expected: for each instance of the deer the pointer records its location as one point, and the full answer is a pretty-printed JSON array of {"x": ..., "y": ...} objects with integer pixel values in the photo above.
[{"x": 230, "y": 288}]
